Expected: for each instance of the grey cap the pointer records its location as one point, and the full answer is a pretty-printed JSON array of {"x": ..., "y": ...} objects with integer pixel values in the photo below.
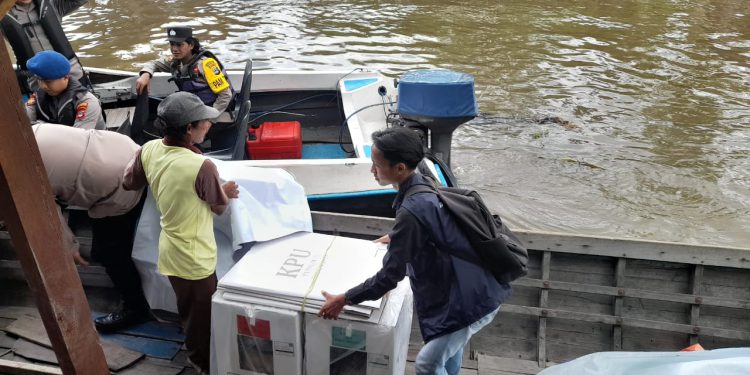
[
  {"x": 179, "y": 33},
  {"x": 182, "y": 108}
]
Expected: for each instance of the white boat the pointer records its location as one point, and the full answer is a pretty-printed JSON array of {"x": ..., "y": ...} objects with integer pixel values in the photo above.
[{"x": 338, "y": 112}]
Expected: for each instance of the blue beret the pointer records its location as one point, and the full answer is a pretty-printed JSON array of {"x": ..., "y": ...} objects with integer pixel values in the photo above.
[{"x": 49, "y": 65}]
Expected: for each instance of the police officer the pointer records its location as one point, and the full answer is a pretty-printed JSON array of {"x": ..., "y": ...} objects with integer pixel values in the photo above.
[
  {"x": 61, "y": 100},
  {"x": 32, "y": 26},
  {"x": 194, "y": 70}
]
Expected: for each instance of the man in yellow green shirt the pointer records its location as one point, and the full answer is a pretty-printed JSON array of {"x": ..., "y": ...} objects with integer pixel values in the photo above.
[{"x": 187, "y": 190}]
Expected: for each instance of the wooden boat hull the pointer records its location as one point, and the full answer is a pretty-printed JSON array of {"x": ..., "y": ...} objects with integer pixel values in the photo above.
[{"x": 582, "y": 295}]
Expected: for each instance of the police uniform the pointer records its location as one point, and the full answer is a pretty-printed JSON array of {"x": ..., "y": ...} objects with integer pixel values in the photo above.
[
  {"x": 75, "y": 106},
  {"x": 36, "y": 27},
  {"x": 203, "y": 75}
]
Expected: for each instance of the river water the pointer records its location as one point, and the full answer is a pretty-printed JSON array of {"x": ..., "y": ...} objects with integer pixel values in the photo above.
[{"x": 652, "y": 97}]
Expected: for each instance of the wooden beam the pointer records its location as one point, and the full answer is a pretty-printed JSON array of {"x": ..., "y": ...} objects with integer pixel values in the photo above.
[
  {"x": 347, "y": 223},
  {"x": 619, "y": 282},
  {"x": 543, "y": 298},
  {"x": 695, "y": 309},
  {"x": 637, "y": 249},
  {"x": 631, "y": 322},
  {"x": 18, "y": 368},
  {"x": 634, "y": 293},
  {"x": 5, "y": 6},
  {"x": 28, "y": 207}
]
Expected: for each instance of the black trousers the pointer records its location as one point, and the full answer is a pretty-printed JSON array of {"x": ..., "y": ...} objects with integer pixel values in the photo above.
[
  {"x": 112, "y": 246},
  {"x": 194, "y": 307}
]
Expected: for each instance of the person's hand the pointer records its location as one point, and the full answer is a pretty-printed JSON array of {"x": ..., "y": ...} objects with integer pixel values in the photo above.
[
  {"x": 333, "y": 306},
  {"x": 231, "y": 189},
  {"x": 385, "y": 239},
  {"x": 79, "y": 259},
  {"x": 142, "y": 83}
]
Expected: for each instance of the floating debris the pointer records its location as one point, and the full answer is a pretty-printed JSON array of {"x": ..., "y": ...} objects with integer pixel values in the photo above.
[
  {"x": 580, "y": 162},
  {"x": 559, "y": 121}
]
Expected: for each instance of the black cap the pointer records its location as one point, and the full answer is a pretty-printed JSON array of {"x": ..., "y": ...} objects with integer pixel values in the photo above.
[{"x": 179, "y": 33}]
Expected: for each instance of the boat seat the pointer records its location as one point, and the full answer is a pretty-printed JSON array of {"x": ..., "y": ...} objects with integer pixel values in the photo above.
[{"x": 236, "y": 135}]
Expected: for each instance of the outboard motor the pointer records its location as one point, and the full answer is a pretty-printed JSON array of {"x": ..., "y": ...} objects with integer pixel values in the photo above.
[{"x": 439, "y": 100}]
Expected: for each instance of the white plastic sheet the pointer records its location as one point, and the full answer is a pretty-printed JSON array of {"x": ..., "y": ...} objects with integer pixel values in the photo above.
[
  {"x": 271, "y": 205},
  {"x": 732, "y": 361}
]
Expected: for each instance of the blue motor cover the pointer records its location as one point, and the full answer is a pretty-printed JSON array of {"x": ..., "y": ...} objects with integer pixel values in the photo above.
[{"x": 436, "y": 94}]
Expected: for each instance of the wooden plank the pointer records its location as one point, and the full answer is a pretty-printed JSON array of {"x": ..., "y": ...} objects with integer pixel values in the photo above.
[
  {"x": 619, "y": 281},
  {"x": 17, "y": 368},
  {"x": 31, "y": 329},
  {"x": 518, "y": 366},
  {"x": 93, "y": 276},
  {"x": 15, "y": 312},
  {"x": 34, "y": 352},
  {"x": 644, "y": 339},
  {"x": 583, "y": 269},
  {"x": 411, "y": 371},
  {"x": 637, "y": 249},
  {"x": 695, "y": 309},
  {"x": 346, "y": 223},
  {"x": 643, "y": 323},
  {"x": 5, "y": 6},
  {"x": 636, "y": 293},
  {"x": 152, "y": 347},
  {"x": 28, "y": 208},
  {"x": 584, "y": 302},
  {"x": 6, "y": 341},
  {"x": 156, "y": 330},
  {"x": 726, "y": 283},
  {"x": 509, "y": 335},
  {"x": 4, "y": 322},
  {"x": 150, "y": 366},
  {"x": 543, "y": 297}
]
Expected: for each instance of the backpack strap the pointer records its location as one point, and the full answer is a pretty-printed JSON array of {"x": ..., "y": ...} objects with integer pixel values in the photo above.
[{"x": 417, "y": 189}]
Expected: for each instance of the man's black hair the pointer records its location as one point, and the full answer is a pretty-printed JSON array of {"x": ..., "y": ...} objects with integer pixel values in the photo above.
[
  {"x": 174, "y": 131},
  {"x": 399, "y": 145}
]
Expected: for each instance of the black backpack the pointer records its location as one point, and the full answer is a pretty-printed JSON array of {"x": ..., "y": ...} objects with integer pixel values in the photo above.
[{"x": 498, "y": 249}]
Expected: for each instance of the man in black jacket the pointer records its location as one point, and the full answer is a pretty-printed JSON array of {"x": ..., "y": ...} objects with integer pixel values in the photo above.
[{"x": 454, "y": 297}]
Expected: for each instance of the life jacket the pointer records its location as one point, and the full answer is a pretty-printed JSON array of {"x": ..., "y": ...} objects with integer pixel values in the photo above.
[
  {"x": 193, "y": 82},
  {"x": 60, "y": 109},
  {"x": 50, "y": 22}
]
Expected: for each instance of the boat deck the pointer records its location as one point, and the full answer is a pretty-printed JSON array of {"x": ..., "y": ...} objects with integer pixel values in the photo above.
[
  {"x": 582, "y": 295},
  {"x": 22, "y": 343}
]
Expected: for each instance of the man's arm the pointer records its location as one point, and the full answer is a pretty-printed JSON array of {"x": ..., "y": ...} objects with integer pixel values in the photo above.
[
  {"x": 31, "y": 108},
  {"x": 70, "y": 242},
  {"x": 406, "y": 236},
  {"x": 209, "y": 188},
  {"x": 88, "y": 113},
  {"x": 147, "y": 72},
  {"x": 134, "y": 177}
]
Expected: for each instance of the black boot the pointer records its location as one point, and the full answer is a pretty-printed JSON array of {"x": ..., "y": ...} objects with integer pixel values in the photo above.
[{"x": 118, "y": 320}]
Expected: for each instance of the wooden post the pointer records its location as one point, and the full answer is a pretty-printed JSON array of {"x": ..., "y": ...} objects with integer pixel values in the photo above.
[
  {"x": 620, "y": 283},
  {"x": 28, "y": 207},
  {"x": 543, "y": 298},
  {"x": 695, "y": 309}
]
